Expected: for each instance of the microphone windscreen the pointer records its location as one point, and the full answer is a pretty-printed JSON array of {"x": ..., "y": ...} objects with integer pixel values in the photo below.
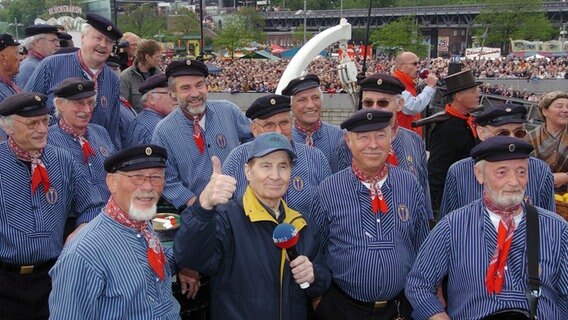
[
  {"x": 423, "y": 74},
  {"x": 285, "y": 236}
]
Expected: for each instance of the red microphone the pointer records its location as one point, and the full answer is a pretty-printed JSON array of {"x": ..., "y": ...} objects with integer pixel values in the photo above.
[
  {"x": 423, "y": 74},
  {"x": 285, "y": 236}
]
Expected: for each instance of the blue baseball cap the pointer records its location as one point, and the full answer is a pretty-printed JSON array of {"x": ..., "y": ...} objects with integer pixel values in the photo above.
[{"x": 270, "y": 142}]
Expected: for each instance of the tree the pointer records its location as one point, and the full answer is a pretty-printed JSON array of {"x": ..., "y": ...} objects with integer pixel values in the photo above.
[
  {"x": 25, "y": 11},
  {"x": 240, "y": 29},
  {"x": 142, "y": 20},
  {"x": 506, "y": 19},
  {"x": 185, "y": 21},
  {"x": 402, "y": 33},
  {"x": 298, "y": 34}
]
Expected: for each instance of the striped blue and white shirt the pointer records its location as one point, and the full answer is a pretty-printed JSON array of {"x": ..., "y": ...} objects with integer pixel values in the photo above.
[
  {"x": 461, "y": 186},
  {"x": 27, "y": 67},
  {"x": 94, "y": 169},
  {"x": 370, "y": 254},
  {"x": 56, "y": 68},
  {"x": 95, "y": 280},
  {"x": 142, "y": 127},
  {"x": 308, "y": 170},
  {"x": 32, "y": 225},
  {"x": 327, "y": 139},
  {"x": 461, "y": 246},
  {"x": 411, "y": 156},
  {"x": 5, "y": 91},
  {"x": 188, "y": 171},
  {"x": 127, "y": 115}
]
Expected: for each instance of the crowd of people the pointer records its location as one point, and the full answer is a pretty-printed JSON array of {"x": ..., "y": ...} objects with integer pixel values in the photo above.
[{"x": 285, "y": 216}]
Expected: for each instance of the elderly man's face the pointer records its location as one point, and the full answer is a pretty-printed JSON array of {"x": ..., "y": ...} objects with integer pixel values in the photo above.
[
  {"x": 48, "y": 44},
  {"x": 96, "y": 46},
  {"x": 306, "y": 106},
  {"x": 370, "y": 149},
  {"x": 29, "y": 133},
  {"x": 280, "y": 122},
  {"x": 469, "y": 97},
  {"x": 515, "y": 130},
  {"x": 382, "y": 101},
  {"x": 268, "y": 176},
  {"x": 191, "y": 93},
  {"x": 504, "y": 182},
  {"x": 160, "y": 100},
  {"x": 137, "y": 192},
  {"x": 77, "y": 113}
]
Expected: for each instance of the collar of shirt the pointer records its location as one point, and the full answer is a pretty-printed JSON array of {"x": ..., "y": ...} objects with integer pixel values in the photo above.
[{"x": 495, "y": 218}]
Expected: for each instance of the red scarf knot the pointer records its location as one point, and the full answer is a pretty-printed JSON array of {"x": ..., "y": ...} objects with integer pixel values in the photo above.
[
  {"x": 83, "y": 142},
  {"x": 197, "y": 130},
  {"x": 378, "y": 201},
  {"x": 309, "y": 133},
  {"x": 468, "y": 118},
  {"x": 38, "y": 169}
]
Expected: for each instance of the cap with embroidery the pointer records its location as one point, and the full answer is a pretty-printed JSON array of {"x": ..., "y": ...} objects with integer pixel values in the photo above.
[
  {"x": 301, "y": 84},
  {"x": 143, "y": 156},
  {"x": 502, "y": 114},
  {"x": 268, "y": 143},
  {"x": 382, "y": 82},
  {"x": 25, "y": 104},
  {"x": 187, "y": 68},
  {"x": 39, "y": 29},
  {"x": 75, "y": 88},
  {"x": 6, "y": 41},
  {"x": 104, "y": 26},
  {"x": 267, "y": 106},
  {"x": 367, "y": 120},
  {"x": 501, "y": 148},
  {"x": 155, "y": 81}
]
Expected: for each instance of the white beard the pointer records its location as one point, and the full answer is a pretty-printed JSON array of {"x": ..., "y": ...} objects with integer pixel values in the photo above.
[{"x": 139, "y": 214}]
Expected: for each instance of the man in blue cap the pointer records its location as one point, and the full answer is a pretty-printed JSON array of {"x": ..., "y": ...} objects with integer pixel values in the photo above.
[
  {"x": 231, "y": 240},
  {"x": 306, "y": 104},
  {"x": 97, "y": 36},
  {"x": 41, "y": 186},
  {"x": 271, "y": 113},
  {"x": 157, "y": 102},
  {"x": 130, "y": 279},
  {"x": 461, "y": 187},
  {"x": 372, "y": 219},
  {"x": 9, "y": 65},
  {"x": 195, "y": 131},
  {"x": 482, "y": 247},
  {"x": 41, "y": 41}
]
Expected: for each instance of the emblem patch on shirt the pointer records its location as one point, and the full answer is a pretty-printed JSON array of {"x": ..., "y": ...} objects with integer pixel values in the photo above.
[
  {"x": 298, "y": 183},
  {"x": 104, "y": 102},
  {"x": 221, "y": 141},
  {"x": 51, "y": 195},
  {"x": 103, "y": 151},
  {"x": 403, "y": 212}
]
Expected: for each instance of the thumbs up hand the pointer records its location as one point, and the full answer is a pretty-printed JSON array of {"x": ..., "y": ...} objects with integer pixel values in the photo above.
[{"x": 219, "y": 189}]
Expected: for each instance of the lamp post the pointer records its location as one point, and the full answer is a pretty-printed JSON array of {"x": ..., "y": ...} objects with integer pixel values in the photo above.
[
  {"x": 16, "y": 25},
  {"x": 305, "y": 20}
]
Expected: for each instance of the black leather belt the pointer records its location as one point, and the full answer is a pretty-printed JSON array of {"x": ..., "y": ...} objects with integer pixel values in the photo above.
[
  {"x": 27, "y": 269},
  {"x": 379, "y": 304}
]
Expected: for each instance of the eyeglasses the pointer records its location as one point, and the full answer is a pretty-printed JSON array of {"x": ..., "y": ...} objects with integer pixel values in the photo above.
[
  {"x": 270, "y": 126},
  {"x": 415, "y": 63},
  {"x": 140, "y": 179},
  {"x": 383, "y": 103},
  {"x": 520, "y": 133},
  {"x": 32, "y": 125}
]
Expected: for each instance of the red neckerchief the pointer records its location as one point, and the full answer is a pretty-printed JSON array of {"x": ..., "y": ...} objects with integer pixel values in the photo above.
[
  {"x": 391, "y": 158},
  {"x": 495, "y": 277},
  {"x": 39, "y": 172},
  {"x": 197, "y": 131},
  {"x": 468, "y": 118},
  {"x": 125, "y": 102},
  {"x": 309, "y": 133},
  {"x": 85, "y": 145},
  {"x": 85, "y": 68},
  {"x": 409, "y": 85},
  {"x": 11, "y": 83},
  {"x": 155, "y": 253},
  {"x": 36, "y": 55},
  {"x": 406, "y": 80},
  {"x": 378, "y": 202}
]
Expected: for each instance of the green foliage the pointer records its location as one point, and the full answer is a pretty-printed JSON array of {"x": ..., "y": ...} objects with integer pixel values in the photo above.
[
  {"x": 240, "y": 29},
  {"x": 298, "y": 34},
  {"x": 402, "y": 34},
  {"x": 185, "y": 22},
  {"x": 142, "y": 20}
]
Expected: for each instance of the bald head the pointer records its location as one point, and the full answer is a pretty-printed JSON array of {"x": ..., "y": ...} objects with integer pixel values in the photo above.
[{"x": 408, "y": 63}]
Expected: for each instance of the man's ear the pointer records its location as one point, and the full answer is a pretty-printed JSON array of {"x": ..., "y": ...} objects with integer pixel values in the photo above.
[
  {"x": 247, "y": 172},
  {"x": 111, "y": 182},
  {"x": 478, "y": 174}
]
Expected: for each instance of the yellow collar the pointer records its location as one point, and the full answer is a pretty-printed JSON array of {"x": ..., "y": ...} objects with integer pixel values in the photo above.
[{"x": 256, "y": 212}]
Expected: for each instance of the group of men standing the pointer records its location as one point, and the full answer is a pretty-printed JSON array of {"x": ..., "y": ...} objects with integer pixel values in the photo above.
[{"x": 356, "y": 198}]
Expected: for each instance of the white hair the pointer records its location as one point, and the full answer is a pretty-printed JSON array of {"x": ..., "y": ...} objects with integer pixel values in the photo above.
[
  {"x": 6, "y": 122},
  {"x": 30, "y": 41},
  {"x": 85, "y": 28}
]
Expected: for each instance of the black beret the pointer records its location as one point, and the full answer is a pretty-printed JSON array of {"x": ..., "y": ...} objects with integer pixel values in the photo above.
[
  {"x": 500, "y": 148},
  {"x": 75, "y": 88},
  {"x": 113, "y": 60},
  {"x": 382, "y": 82},
  {"x": 269, "y": 142},
  {"x": 25, "y": 104},
  {"x": 6, "y": 41},
  {"x": 187, "y": 68},
  {"x": 64, "y": 36},
  {"x": 267, "y": 106},
  {"x": 143, "y": 156},
  {"x": 300, "y": 84},
  {"x": 502, "y": 114},
  {"x": 65, "y": 50},
  {"x": 40, "y": 29},
  {"x": 104, "y": 26},
  {"x": 156, "y": 81},
  {"x": 367, "y": 120}
]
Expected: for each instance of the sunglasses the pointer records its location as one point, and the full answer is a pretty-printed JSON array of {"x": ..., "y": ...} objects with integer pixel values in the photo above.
[
  {"x": 381, "y": 103},
  {"x": 520, "y": 133}
]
